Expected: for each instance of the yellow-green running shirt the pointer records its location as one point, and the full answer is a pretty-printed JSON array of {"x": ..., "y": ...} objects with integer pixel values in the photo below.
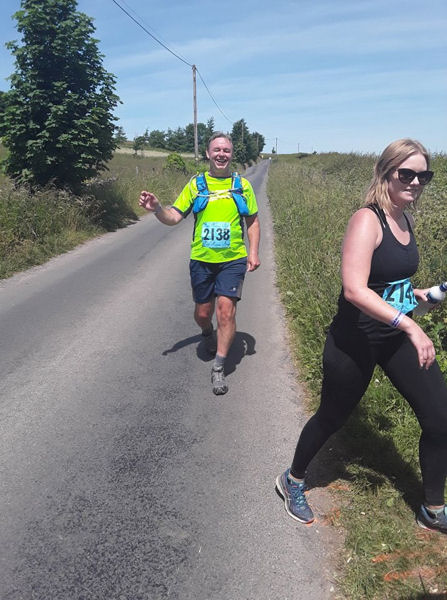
[{"x": 218, "y": 229}]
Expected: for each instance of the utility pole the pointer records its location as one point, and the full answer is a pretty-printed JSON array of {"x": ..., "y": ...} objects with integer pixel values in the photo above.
[
  {"x": 276, "y": 146},
  {"x": 196, "y": 140}
]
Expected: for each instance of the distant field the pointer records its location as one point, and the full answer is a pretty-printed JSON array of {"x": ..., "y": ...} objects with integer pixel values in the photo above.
[{"x": 148, "y": 153}]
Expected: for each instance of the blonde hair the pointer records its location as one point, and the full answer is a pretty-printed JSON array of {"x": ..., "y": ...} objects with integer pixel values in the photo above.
[{"x": 393, "y": 155}]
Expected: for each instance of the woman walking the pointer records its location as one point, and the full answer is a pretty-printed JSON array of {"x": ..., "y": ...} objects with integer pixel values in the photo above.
[{"x": 373, "y": 325}]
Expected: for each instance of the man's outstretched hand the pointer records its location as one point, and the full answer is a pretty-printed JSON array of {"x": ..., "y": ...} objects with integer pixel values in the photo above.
[{"x": 149, "y": 201}]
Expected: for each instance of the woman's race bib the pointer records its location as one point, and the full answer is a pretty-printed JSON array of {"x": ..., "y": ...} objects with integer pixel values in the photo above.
[
  {"x": 216, "y": 234},
  {"x": 400, "y": 295}
]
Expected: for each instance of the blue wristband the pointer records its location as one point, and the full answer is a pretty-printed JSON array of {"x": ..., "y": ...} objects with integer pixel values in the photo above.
[{"x": 397, "y": 319}]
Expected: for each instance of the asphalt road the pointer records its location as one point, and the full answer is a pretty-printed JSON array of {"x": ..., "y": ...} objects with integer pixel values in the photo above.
[{"x": 122, "y": 477}]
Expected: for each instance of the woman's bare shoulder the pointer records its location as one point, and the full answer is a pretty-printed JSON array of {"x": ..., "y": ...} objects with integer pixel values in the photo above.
[
  {"x": 365, "y": 216},
  {"x": 365, "y": 225}
]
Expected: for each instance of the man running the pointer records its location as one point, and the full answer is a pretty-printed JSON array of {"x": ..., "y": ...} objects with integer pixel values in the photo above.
[{"x": 220, "y": 202}]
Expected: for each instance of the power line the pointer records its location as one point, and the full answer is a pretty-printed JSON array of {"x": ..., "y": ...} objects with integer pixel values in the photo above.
[
  {"x": 155, "y": 33},
  {"x": 171, "y": 51},
  {"x": 149, "y": 33},
  {"x": 212, "y": 98}
]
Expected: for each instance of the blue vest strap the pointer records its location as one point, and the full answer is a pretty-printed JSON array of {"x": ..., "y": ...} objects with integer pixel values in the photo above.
[
  {"x": 237, "y": 193},
  {"x": 203, "y": 195}
]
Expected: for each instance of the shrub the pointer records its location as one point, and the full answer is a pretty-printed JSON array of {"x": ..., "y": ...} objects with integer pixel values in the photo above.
[{"x": 174, "y": 162}]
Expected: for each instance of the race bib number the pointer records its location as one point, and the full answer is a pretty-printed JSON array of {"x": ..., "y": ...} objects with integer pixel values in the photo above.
[
  {"x": 216, "y": 234},
  {"x": 400, "y": 295}
]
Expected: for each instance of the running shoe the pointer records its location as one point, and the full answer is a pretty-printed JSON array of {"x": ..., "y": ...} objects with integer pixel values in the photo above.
[
  {"x": 294, "y": 498},
  {"x": 220, "y": 386},
  {"x": 431, "y": 520}
]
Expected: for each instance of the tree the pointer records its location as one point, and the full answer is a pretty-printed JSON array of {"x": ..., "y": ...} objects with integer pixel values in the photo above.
[
  {"x": 58, "y": 124},
  {"x": 176, "y": 140},
  {"x": 259, "y": 141},
  {"x": 209, "y": 130},
  {"x": 210, "y": 126},
  {"x": 139, "y": 143},
  {"x": 3, "y": 102},
  {"x": 247, "y": 146},
  {"x": 189, "y": 136},
  {"x": 157, "y": 139},
  {"x": 240, "y": 153},
  {"x": 239, "y": 132},
  {"x": 146, "y": 137},
  {"x": 119, "y": 136},
  {"x": 203, "y": 135}
]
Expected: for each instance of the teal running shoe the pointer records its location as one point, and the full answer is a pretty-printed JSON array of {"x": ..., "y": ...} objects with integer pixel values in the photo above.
[
  {"x": 294, "y": 498},
  {"x": 437, "y": 521}
]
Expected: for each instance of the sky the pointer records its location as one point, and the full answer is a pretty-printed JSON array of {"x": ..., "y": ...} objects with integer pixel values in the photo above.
[{"x": 315, "y": 75}]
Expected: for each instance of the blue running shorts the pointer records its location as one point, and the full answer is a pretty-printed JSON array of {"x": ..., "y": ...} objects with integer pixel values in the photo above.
[{"x": 217, "y": 279}]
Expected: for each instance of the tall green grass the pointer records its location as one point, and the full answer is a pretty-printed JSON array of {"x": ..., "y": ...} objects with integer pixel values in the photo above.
[
  {"x": 135, "y": 173},
  {"x": 3, "y": 154},
  {"x": 36, "y": 226},
  {"x": 312, "y": 199}
]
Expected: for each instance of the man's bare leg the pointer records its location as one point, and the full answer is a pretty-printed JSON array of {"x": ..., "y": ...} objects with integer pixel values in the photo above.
[
  {"x": 203, "y": 316},
  {"x": 226, "y": 324},
  {"x": 226, "y": 330}
]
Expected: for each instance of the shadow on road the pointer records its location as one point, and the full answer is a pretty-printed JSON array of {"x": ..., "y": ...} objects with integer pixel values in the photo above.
[
  {"x": 243, "y": 345},
  {"x": 183, "y": 343}
]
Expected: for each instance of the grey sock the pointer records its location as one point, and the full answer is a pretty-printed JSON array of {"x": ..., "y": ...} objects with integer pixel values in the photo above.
[{"x": 219, "y": 361}]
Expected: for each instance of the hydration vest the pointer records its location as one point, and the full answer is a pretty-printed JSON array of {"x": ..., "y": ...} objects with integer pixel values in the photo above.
[{"x": 236, "y": 191}]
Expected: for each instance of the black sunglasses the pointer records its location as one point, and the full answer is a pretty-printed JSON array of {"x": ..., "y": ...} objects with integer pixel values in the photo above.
[{"x": 407, "y": 176}]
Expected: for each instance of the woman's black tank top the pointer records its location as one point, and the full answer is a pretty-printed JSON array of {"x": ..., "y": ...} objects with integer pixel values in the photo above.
[{"x": 391, "y": 262}]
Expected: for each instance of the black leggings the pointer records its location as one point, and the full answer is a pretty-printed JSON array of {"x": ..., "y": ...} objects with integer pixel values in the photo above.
[{"x": 349, "y": 359}]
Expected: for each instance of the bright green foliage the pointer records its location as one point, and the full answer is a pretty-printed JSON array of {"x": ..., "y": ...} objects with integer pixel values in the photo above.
[
  {"x": 174, "y": 162},
  {"x": 58, "y": 125}
]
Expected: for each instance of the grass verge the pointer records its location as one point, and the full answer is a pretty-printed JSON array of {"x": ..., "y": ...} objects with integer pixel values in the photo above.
[{"x": 37, "y": 226}]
